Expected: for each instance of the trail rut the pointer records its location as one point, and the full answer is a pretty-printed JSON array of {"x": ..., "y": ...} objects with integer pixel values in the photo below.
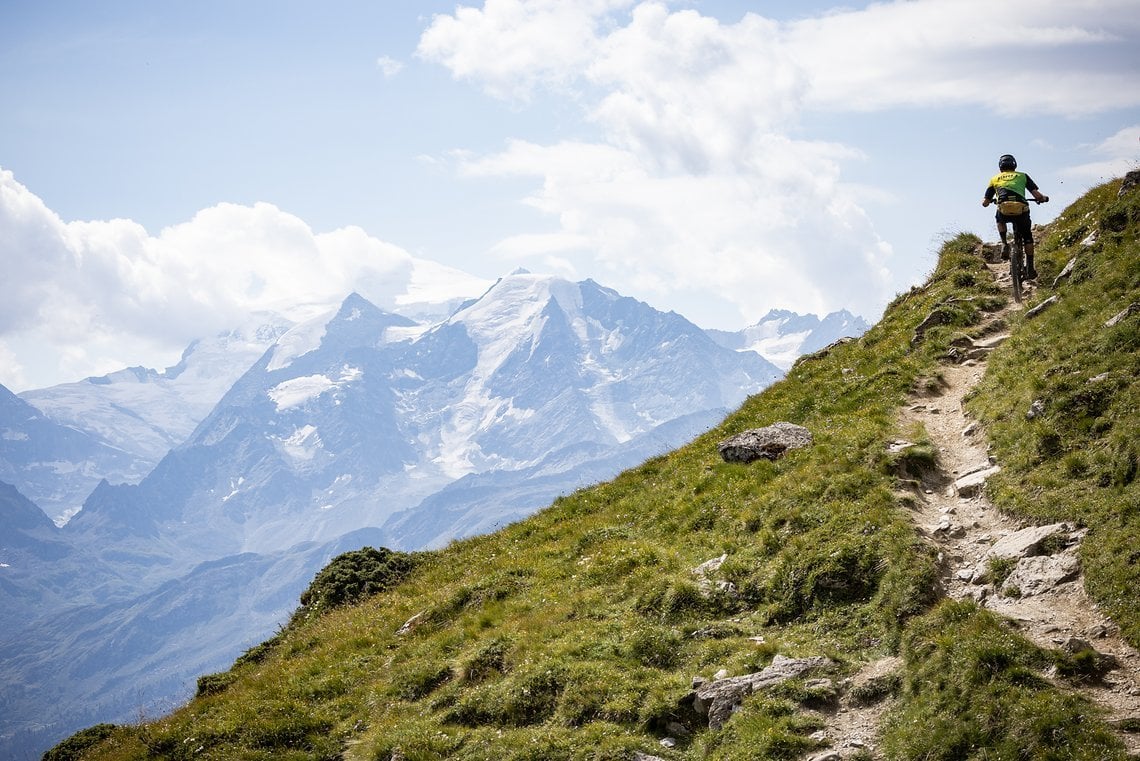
[{"x": 953, "y": 512}]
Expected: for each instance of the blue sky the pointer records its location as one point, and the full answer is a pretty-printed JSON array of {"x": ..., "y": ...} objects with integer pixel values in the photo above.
[{"x": 168, "y": 167}]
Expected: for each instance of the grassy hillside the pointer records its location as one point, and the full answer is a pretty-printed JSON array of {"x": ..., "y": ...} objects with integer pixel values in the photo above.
[{"x": 576, "y": 634}]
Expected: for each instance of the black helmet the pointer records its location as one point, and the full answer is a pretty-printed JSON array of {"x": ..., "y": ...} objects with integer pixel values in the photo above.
[{"x": 1007, "y": 163}]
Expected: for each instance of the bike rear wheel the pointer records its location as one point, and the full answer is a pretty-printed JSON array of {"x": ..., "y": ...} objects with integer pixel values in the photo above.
[{"x": 1017, "y": 267}]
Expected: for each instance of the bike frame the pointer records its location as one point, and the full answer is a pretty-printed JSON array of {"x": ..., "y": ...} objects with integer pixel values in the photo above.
[
  {"x": 1017, "y": 264},
  {"x": 1017, "y": 258}
]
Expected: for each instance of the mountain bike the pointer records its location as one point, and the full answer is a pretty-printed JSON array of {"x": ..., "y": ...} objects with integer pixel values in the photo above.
[{"x": 1017, "y": 270}]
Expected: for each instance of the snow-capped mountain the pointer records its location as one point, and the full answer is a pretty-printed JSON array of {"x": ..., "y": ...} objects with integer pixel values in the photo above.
[
  {"x": 53, "y": 465},
  {"x": 142, "y": 413},
  {"x": 782, "y": 336},
  {"x": 346, "y": 420},
  {"x": 353, "y": 416}
]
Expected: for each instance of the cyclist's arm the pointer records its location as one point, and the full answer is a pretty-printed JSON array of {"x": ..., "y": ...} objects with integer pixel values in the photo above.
[
  {"x": 989, "y": 197},
  {"x": 1031, "y": 186}
]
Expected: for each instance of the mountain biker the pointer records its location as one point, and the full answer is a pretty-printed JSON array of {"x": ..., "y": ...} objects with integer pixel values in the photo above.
[{"x": 1007, "y": 189}]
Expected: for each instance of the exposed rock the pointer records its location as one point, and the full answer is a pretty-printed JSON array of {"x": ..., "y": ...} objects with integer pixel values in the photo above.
[
  {"x": 947, "y": 528},
  {"x": 639, "y": 756},
  {"x": 1042, "y": 307},
  {"x": 719, "y": 699},
  {"x": 767, "y": 443},
  {"x": 1102, "y": 661},
  {"x": 411, "y": 624},
  {"x": 1034, "y": 575},
  {"x": 1066, "y": 272},
  {"x": 1036, "y": 409},
  {"x": 938, "y": 316},
  {"x": 1026, "y": 542},
  {"x": 1130, "y": 181},
  {"x": 971, "y": 484},
  {"x": 710, "y": 566},
  {"x": 992, "y": 342},
  {"x": 1120, "y": 317}
]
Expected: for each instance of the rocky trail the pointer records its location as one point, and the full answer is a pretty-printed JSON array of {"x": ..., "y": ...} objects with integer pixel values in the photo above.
[{"x": 1043, "y": 594}]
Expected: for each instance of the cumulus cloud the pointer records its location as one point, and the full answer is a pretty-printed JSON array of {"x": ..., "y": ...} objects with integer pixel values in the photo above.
[
  {"x": 510, "y": 47},
  {"x": 700, "y": 178},
  {"x": 390, "y": 67},
  {"x": 1118, "y": 154},
  {"x": 1062, "y": 58},
  {"x": 96, "y": 296}
]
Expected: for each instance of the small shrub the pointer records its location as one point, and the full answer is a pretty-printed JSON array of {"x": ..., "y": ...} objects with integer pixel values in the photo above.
[
  {"x": 212, "y": 684},
  {"x": 73, "y": 748},
  {"x": 352, "y": 577},
  {"x": 673, "y": 601}
]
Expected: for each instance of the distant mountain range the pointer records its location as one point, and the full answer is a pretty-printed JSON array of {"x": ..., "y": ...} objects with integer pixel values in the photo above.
[
  {"x": 213, "y": 491},
  {"x": 782, "y": 336}
]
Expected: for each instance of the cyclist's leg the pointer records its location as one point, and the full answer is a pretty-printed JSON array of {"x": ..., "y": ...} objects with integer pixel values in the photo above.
[
  {"x": 1002, "y": 232},
  {"x": 1025, "y": 229}
]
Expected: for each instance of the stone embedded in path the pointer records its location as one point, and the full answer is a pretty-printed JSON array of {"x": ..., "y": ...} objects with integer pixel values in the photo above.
[
  {"x": 992, "y": 342},
  {"x": 1038, "y": 574},
  {"x": 768, "y": 443},
  {"x": 1027, "y": 541},
  {"x": 971, "y": 484}
]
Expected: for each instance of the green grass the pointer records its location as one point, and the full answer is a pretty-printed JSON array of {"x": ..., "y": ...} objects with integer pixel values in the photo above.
[
  {"x": 974, "y": 690},
  {"x": 575, "y": 634}
]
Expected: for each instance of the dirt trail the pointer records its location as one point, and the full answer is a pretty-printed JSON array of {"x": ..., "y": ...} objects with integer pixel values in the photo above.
[{"x": 958, "y": 518}]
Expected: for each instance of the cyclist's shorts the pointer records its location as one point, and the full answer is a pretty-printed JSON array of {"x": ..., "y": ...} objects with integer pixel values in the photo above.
[{"x": 1020, "y": 223}]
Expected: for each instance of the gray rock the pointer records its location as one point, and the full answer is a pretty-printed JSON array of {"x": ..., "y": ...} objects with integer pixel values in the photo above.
[
  {"x": 1026, "y": 542},
  {"x": 1123, "y": 315},
  {"x": 718, "y": 700},
  {"x": 710, "y": 566},
  {"x": 1066, "y": 272},
  {"x": 767, "y": 443},
  {"x": 411, "y": 624},
  {"x": 1042, "y": 307},
  {"x": 1034, "y": 575},
  {"x": 1036, "y": 409},
  {"x": 1104, "y": 661},
  {"x": 827, "y": 755},
  {"x": 971, "y": 484},
  {"x": 1130, "y": 181}
]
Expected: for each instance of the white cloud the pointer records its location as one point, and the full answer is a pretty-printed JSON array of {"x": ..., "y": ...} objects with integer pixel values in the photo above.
[
  {"x": 700, "y": 178},
  {"x": 11, "y": 371},
  {"x": 390, "y": 67},
  {"x": 87, "y": 298},
  {"x": 513, "y": 46},
  {"x": 1119, "y": 154},
  {"x": 1060, "y": 58}
]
